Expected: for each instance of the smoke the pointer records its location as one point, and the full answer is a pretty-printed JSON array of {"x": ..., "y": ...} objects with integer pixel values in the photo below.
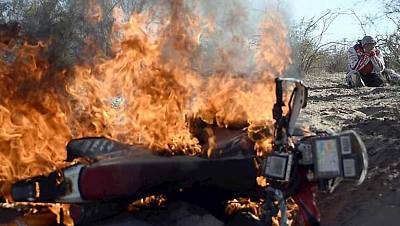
[
  {"x": 216, "y": 35},
  {"x": 228, "y": 33},
  {"x": 227, "y": 46}
]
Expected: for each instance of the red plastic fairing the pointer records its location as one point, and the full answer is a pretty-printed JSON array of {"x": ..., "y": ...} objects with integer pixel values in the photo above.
[
  {"x": 112, "y": 181},
  {"x": 305, "y": 199}
]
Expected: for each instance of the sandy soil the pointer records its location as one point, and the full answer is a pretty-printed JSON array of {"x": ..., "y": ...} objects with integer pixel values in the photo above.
[{"x": 374, "y": 113}]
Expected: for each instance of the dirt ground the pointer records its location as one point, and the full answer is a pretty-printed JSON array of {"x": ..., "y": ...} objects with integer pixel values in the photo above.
[{"x": 374, "y": 113}]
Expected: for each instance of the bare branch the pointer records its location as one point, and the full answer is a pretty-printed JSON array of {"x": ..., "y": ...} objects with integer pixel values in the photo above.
[
  {"x": 309, "y": 37},
  {"x": 359, "y": 20}
]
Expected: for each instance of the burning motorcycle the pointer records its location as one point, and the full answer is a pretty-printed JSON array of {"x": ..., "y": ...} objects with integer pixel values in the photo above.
[{"x": 107, "y": 175}]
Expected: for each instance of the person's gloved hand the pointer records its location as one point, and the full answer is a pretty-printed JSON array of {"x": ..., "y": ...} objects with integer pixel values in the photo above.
[{"x": 374, "y": 52}]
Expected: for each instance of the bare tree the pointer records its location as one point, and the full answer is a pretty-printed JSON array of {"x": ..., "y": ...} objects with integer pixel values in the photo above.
[
  {"x": 390, "y": 43},
  {"x": 361, "y": 23},
  {"x": 307, "y": 38}
]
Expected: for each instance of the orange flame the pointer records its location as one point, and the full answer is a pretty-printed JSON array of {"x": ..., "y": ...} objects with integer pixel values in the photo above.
[
  {"x": 34, "y": 129},
  {"x": 143, "y": 94}
]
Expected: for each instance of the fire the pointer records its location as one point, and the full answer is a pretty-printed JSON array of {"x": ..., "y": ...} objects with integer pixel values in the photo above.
[
  {"x": 38, "y": 214},
  {"x": 34, "y": 127},
  {"x": 158, "y": 75},
  {"x": 154, "y": 86},
  {"x": 255, "y": 209},
  {"x": 147, "y": 202},
  {"x": 275, "y": 54}
]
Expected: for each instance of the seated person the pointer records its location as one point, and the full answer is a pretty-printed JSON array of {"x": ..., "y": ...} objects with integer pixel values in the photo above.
[{"x": 366, "y": 64}]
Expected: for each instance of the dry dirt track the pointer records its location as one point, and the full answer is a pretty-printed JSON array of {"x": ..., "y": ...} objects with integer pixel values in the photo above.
[{"x": 375, "y": 114}]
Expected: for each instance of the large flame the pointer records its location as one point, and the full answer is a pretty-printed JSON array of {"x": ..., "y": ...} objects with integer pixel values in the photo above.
[
  {"x": 159, "y": 75},
  {"x": 34, "y": 128}
]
